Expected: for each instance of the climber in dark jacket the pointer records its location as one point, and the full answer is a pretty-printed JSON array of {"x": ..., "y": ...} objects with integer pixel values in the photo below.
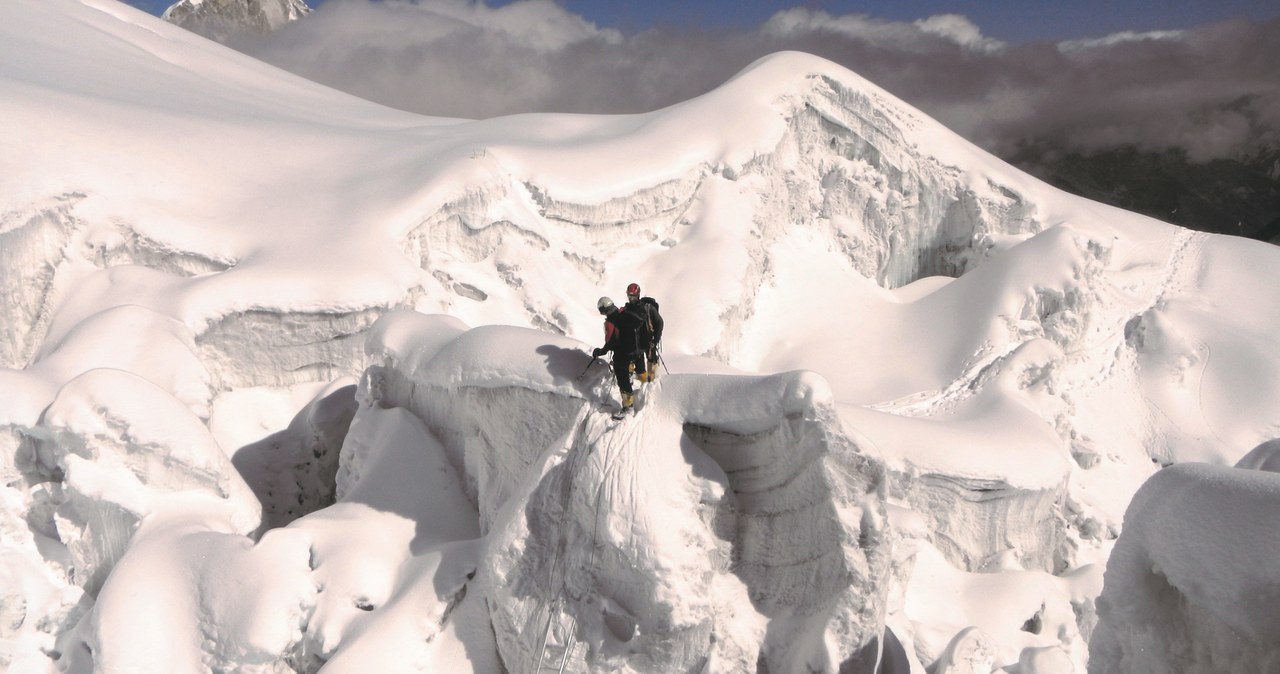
[
  {"x": 651, "y": 334},
  {"x": 622, "y": 337}
]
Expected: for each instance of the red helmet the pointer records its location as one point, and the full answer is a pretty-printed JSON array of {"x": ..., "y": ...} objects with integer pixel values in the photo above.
[{"x": 633, "y": 290}]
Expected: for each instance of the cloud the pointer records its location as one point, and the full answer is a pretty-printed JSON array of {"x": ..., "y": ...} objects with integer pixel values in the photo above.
[
  {"x": 1212, "y": 90},
  {"x": 959, "y": 29},
  {"x": 1118, "y": 38}
]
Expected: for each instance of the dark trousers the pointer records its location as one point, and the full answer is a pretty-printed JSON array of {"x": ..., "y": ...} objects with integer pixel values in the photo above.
[{"x": 622, "y": 368}]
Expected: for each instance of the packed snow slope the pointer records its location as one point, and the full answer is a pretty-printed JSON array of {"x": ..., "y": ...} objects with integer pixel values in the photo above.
[{"x": 295, "y": 382}]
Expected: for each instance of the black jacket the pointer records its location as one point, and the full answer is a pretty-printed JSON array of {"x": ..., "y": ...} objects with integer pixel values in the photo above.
[{"x": 622, "y": 332}]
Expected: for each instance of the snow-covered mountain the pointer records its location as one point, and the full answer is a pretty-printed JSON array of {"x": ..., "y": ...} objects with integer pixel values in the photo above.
[
  {"x": 223, "y": 19},
  {"x": 297, "y": 381}
]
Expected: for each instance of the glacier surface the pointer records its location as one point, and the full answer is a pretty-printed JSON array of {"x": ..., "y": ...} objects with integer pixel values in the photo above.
[{"x": 291, "y": 381}]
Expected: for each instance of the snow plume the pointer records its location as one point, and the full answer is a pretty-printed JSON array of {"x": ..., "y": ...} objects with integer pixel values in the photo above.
[{"x": 1210, "y": 90}]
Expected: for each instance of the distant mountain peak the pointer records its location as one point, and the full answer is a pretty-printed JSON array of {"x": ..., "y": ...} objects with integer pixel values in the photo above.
[{"x": 222, "y": 20}]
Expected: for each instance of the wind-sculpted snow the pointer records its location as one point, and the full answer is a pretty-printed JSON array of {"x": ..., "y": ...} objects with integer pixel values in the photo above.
[
  {"x": 498, "y": 232},
  {"x": 107, "y": 452},
  {"x": 655, "y": 534}
]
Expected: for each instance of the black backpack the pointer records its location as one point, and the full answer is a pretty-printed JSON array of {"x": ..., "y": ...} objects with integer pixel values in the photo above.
[
  {"x": 631, "y": 328},
  {"x": 644, "y": 308}
]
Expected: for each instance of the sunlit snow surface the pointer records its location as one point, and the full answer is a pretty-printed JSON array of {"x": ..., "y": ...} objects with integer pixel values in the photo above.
[{"x": 294, "y": 381}]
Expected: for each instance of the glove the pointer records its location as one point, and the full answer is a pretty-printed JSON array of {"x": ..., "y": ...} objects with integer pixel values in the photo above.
[{"x": 598, "y": 352}]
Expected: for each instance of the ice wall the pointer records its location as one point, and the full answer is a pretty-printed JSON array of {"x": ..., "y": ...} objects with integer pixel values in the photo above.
[
  {"x": 897, "y": 212},
  {"x": 975, "y": 521}
]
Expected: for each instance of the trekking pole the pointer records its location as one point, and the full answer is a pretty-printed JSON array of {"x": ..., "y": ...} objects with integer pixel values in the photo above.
[
  {"x": 588, "y": 367},
  {"x": 660, "y": 360}
]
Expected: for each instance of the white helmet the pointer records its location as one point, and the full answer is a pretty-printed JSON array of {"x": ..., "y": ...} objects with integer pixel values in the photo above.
[{"x": 605, "y": 305}]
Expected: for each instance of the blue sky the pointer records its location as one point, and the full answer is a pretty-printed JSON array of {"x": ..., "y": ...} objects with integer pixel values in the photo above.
[{"x": 1007, "y": 20}]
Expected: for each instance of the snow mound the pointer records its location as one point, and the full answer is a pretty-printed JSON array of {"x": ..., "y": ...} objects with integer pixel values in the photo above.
[
  {"x": 1193, "y": 582},
  {"x": 376, "y": 580}
]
